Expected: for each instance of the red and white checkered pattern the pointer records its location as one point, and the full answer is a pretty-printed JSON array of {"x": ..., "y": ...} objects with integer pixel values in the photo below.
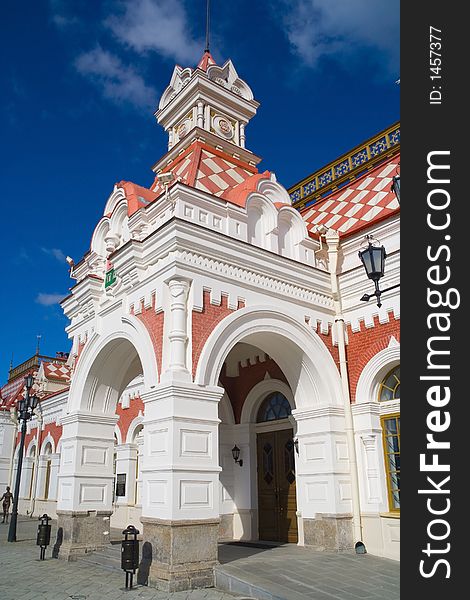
[
  {"x": 208, "y": 170},
  {"x": 215, "y": 175},
  {"x": 56, "y": 371},
  {"x": 359, "y": 204},
  {"x": 11, "y": 391}
]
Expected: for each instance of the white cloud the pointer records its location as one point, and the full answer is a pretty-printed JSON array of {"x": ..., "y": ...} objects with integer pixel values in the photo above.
[
  {"x": 117, "y": 82},
  {"x": 49, "y": 299},
  {"x": 157, "y": 25},
  {"x": 60, "y": 14},
  {"x": 339, "y": 28},
  {"x": 55, "y": 252}
]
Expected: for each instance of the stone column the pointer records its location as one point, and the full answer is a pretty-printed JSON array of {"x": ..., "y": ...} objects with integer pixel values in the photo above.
[
  {"x": 323, "y": 478},
  {"x": 242, "y": 135},
  {"x": 85, "y": 482},
  {"x": 200, "y": 114},
  {"x": 180, "y": 477},
  {"x": 177, "y": 332}
]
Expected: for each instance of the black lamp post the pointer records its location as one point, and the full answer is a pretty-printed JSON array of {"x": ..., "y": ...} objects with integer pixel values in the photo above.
[
  {"x": 26, "y": 408},
  {"x": 373, "y": 259}
]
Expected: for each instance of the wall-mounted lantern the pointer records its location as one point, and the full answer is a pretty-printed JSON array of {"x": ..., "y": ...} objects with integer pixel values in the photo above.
[
  {"x": 373, "y": 260},
  {"x": 236, "y": 455}
]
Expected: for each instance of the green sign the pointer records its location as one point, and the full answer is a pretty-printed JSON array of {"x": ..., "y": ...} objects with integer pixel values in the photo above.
[{"x": 110, "y": 278}]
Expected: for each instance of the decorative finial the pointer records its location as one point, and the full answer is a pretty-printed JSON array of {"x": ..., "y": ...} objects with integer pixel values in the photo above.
[
  {"x": 37, "y": 345},
  {"x": 208, "y": 5}
]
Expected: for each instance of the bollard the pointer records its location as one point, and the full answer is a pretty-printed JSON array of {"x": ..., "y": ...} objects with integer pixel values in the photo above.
[
  {"x": 130, "y": 554},
  {"x": 44, "y": 534}
]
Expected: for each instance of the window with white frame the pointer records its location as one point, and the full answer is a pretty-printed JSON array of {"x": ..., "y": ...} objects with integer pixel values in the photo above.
[{"x": 389, "y": 390}]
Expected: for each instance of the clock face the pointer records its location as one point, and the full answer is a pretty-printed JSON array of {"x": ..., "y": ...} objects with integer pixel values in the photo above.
[
  {"x": 223, "y": 127},
  {"x": 183, "y": 128}
]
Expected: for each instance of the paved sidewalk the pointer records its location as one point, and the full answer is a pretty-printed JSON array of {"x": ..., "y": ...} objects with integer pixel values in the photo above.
[
  {"x": 285, "y": 572},
  {"x": 290, "y": 572},
  {"x": 24, "y": 577}
]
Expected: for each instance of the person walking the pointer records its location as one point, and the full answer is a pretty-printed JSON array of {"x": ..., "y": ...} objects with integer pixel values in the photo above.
[{"x": 6, "y": 500}]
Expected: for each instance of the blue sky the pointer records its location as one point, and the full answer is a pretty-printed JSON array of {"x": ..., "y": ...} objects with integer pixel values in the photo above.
[{"x": 80, "y": 82}]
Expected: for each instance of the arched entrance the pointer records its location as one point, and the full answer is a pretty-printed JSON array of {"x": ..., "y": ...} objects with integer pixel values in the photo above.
[
  {"x": 307, "y": 448},
  {"x": 275, "y": 450},
  {"x": 106, "y": 366}
]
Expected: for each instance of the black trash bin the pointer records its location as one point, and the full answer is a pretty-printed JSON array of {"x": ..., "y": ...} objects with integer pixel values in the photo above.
[{"x": 130, "y": 553}]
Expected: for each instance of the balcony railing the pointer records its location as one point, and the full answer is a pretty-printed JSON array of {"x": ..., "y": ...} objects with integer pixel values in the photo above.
[{"x": 345, "y": 169}]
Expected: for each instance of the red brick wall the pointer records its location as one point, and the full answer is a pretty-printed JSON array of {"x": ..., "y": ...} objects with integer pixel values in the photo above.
[
  {"x": 52, "y": 428},
  {"x": 365, "y": 344},
  {"x": 203, "y": 323},
  {"x": 327, "y": 339},
  {"x": 127, "y": 415},
  {"x": 239, "y": 387},
  {"x": 154, "y": 324}
]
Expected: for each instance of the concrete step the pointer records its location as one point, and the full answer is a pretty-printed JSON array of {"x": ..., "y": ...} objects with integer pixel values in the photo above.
[
  {"x": 250, "y": 587},
  {"x": 108, "y": 558}
]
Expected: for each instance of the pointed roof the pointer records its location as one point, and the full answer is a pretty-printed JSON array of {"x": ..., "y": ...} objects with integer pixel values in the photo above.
[
  {"x": 205, "y": 168},
  {"x": 206, "y": 61}
]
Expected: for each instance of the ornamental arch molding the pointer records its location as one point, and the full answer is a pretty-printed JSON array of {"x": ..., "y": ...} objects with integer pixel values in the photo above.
[
  {"x": 226, "y": 410},
  {"x": 108, "y": 362},
  {"x": 373, "y": 373},
  {"x": 133, "y": 427},
  {"x": 300, "y": 353},
  {"x": 258, "y": 393},
  {"x": 47, "y": 440}
]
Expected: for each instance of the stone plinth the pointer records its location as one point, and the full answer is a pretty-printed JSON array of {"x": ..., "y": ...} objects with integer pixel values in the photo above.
[
  {"x": 329, "y": 532},
  {"x": 81, "y": 532},
  {"x": 184, "y": 553}
]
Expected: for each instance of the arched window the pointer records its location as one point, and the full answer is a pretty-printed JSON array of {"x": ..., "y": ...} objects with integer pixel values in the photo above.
[
  {"x": 47, "y": 476},
  {"x": 275, "y": 406},
  {"x": 390, "y": 386},
  {"x": 390, "y": 390}
]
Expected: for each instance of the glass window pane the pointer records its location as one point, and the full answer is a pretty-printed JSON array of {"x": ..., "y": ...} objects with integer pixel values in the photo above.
[
  {"x": 390, "y": 386},
  {"x": 391, "y": 440},
  {"x": 275, "y": 406}
]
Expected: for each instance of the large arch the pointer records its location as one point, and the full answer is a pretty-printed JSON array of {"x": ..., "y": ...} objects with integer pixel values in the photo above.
[
  {"x": 298, "y": 350},
  {"x": 108, "y": 363},
  {"x": 313, "y": 388},
  {"x": 111, "y": 359}
]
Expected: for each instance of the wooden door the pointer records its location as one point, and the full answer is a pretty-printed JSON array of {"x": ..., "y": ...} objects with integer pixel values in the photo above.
[{"x": 277, "y": 503}]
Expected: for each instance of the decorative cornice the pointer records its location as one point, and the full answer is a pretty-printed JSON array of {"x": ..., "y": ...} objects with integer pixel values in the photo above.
[
  {"x": 315, "y": 413},
  {"x": 253, "y": 278}
]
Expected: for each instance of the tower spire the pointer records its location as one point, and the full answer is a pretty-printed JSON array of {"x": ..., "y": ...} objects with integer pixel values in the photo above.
[{"x": 208, "y": 17}]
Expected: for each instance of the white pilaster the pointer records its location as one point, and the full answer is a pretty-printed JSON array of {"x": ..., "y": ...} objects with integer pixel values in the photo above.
[
  {"x": 368, "y": 433},
  {"x": 86, "y": 466},
  {"x": 323, "y": 472},
  {"x": 180, "y": 471},
  {"x": 126, "y": 462}
]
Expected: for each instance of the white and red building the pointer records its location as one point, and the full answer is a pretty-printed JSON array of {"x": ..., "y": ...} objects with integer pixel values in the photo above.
[{"x": 216, "y": 309}]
